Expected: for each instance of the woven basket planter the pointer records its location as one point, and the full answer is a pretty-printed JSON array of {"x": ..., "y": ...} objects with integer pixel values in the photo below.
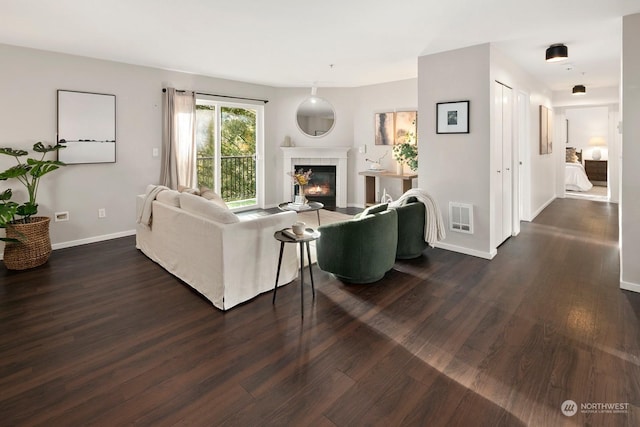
[{"x": 34, "y": 247}]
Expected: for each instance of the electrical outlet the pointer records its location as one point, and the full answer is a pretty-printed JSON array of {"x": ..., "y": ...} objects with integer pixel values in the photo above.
[
  {"x": 155, "y": 152},
  {"x": 102, "y": 213},
  {"x": 61, "y": 216}
]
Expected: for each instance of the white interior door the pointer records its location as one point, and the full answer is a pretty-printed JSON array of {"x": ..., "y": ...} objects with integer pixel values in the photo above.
[
  {"x": 503, "y": 159},
  {"x": 507, "y": 162}
]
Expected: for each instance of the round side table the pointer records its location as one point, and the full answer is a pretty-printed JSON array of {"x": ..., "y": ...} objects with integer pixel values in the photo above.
[
  {"x": 286, "y": 236},
  {"x": 313, "y": 206}
]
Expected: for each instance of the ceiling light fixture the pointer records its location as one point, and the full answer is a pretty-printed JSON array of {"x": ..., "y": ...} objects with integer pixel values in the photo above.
[
  {"x": 579, "y": 90},
  {"x": 557, "y": 52}
]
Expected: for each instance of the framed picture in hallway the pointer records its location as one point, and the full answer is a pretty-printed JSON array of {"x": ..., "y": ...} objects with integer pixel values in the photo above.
[
  {"x": 452, "y": 117},
  {"x": 546, "y": 120}
]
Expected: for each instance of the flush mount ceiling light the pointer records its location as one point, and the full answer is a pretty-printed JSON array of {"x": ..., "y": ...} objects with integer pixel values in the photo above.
[
  {"x": 579, "y": 90},
  {"x": 557, "y": 52}
]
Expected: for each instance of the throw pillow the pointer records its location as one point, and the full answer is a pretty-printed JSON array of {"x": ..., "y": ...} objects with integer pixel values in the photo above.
[
  {"x": 169, "y": 197},
  {"x": 374, "y": 209},
  {"x": 209, "y": 194},
  {"x": 207, "y": 209},
  {"x": 188, "y": 190},
  {"x": 571, "y": 156}
]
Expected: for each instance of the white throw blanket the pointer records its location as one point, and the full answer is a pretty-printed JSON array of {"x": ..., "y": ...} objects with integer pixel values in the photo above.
[
  {"x": 434, "y": 229},
  {"x": 145, "y": 214}
]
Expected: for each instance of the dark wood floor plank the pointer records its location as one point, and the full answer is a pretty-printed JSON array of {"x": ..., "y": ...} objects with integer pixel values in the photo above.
[{"x": 101, "y": 335}]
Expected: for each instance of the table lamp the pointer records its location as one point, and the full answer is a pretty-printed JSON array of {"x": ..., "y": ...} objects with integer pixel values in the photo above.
[{"x": 597, "y": 141}]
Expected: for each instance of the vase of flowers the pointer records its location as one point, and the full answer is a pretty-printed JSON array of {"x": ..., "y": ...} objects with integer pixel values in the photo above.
[{"x": 300, "y": 178}]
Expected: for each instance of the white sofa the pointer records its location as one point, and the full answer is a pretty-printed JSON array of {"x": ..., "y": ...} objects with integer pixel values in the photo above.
[{"x": 226, "y": 259}]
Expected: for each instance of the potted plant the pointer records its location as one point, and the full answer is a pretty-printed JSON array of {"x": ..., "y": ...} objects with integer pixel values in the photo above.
[
  {"x": 27, "y": 238},
  {"x": 407, "y": 152}
]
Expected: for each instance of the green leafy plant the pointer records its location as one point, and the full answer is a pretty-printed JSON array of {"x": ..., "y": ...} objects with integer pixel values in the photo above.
[
  {"x": 28, "y": 173},
  {"x": 7, "y": 212},
  {"x": 407, "y": 152}
]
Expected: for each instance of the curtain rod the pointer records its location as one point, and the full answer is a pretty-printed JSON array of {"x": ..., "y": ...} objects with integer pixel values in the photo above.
[{"x": 224, "y": 96}]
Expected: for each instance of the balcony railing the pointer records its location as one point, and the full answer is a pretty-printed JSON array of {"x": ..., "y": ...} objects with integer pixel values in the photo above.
[{"x": 238, "y": 176}]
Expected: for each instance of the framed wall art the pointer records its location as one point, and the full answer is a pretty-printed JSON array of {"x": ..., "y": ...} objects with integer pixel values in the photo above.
[
  {"x": 406, "y": 126},
  {"x": 384, "y": 128},
  {"x": 452, "y": 117},
  {"x": 546, "y": 130}
]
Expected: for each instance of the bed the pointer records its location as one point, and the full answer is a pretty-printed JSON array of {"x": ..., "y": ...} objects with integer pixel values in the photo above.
[{"x": 575, "y": 177}]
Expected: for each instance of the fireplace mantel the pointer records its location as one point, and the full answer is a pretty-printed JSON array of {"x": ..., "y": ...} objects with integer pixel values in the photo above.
[{"x": 337, "y": 156}]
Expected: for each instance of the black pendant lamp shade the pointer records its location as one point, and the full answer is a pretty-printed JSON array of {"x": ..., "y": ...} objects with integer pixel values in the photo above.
[
  {"x": 579, "y": 90},
  {"x": 557, "y": 52}
]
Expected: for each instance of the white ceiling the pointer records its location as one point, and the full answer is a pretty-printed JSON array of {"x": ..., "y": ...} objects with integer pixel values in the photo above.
[{"x": 291, "y": 43}]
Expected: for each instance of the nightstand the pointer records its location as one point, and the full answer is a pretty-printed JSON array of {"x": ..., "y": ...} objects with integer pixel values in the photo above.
[{"x": 596, "y": 170}]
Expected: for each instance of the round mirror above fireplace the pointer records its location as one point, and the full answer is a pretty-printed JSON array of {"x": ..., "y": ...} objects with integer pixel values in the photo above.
[{"x": 315, "y": 116}]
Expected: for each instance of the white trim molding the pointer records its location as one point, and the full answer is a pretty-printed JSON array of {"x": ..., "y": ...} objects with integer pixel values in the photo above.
[
  {"x": 467, "y": 251},
  {"x": 628, "y": 286}
]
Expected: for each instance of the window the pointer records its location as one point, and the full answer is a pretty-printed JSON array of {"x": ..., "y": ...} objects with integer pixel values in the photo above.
[{"x": 229, "y": 138}]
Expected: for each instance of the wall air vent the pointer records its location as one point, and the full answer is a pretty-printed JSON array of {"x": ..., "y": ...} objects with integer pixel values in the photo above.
[{"x": 461, "y": 217}]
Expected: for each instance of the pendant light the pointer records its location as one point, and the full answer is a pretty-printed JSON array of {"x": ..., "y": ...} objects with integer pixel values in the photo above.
[
  {"x": 557, "y": 52},
  {"x": 579, "y": 90}
]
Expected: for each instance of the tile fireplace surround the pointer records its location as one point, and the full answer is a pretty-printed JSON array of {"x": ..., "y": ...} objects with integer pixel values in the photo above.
[{"x": 331, "y": 156}]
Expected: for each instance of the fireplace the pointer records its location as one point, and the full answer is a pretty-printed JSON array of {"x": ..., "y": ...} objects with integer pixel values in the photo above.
[
  {"x": 322, "y": 185},
  {"x": 317, "y": 156}
]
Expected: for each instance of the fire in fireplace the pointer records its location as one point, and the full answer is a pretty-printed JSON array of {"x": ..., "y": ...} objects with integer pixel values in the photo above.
[{"x": 322, "y": 185}]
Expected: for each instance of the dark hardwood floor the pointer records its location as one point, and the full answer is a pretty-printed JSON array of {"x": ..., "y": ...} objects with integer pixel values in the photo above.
[{"x": 103, "y": 336}]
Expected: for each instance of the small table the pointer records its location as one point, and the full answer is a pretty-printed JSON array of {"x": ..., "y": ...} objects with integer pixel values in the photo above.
[
  {"x": 370, "y": 183},
  {"x": 304, "y": 240},
  {"x": 313, "y": 206}
]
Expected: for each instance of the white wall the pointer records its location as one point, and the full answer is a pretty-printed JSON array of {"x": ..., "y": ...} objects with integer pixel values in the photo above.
[
  {"x": 630, "y": 183},
  {"x": 288, "y": 100},
  {"x": 28, "y": 83},
  {"x": 368, "y": 100},
  {"x": 455, "y": 167},
  {"x": 585, "y": 123},
  {"x": 355, "y": 108},
  {"x": 539, "y": 171}
]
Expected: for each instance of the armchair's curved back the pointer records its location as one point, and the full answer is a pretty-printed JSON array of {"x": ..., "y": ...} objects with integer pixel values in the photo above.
[
  {"x": 360, "y": 250},
  {"x": 411, "y": 242}
]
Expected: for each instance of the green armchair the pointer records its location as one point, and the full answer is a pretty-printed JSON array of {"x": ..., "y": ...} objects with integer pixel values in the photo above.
[
  {"x": 411, "y": 242},
  {"x": 360, "y": 250}
]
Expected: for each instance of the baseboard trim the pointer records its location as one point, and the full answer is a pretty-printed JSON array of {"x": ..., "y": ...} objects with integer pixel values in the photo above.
[
  {"x": 86, "y": 241},
  {"x": 628, "y": 286},
  {"x": 94, "y": 239},
  {"x": 467, "y": 251},
  {"x": 536, "y": 213}
]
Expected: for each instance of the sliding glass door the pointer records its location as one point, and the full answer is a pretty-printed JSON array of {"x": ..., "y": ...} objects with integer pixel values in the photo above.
[{"x": 229, "y": 138}]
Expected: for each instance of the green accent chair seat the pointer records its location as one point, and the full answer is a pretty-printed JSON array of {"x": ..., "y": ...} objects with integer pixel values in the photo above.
[
  {"x": 411, "y": 242},
  {"x": 360, "y": 250}
]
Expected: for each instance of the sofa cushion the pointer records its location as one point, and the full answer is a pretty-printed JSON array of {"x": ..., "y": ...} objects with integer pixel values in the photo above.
[
  {"x": 188, "y": 190},
  {"x": 207, "y": 209},
  {"x": 169, "y": 197},
  {"x": 209, "y": 194}
]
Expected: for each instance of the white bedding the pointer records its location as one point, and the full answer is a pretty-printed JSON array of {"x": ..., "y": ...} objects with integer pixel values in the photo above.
[{"x": 575, "y": 178}]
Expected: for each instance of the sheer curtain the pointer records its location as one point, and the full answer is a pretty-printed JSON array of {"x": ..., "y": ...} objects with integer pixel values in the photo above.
[{"x": 179, "y": 139}]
